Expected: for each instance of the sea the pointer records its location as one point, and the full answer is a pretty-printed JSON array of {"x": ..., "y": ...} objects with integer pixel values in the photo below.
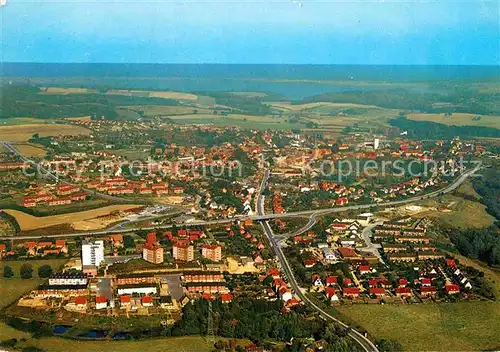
[{"x": 291, "y": 81}]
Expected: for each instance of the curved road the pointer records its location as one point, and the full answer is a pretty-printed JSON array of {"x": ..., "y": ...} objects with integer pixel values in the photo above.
[{"x": 364, "y": 342}]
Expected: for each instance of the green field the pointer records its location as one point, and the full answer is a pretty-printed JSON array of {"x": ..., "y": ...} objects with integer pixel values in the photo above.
[
  {"x": 463, "y": 213},
  {"x": 11, "y": 289},
  {"x": 56, "y": 344},
  {"x": 465, "y": 326}
]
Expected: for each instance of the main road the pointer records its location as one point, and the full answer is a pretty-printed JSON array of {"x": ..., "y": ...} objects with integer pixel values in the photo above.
[
  {"x": 359, "y": 338},
  {"x": 263, "y": 217}
]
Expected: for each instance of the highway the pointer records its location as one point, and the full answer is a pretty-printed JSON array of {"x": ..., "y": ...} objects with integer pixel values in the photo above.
[
  {"x": 364, "y": 342},
  {"x": 263, "y": 217}
]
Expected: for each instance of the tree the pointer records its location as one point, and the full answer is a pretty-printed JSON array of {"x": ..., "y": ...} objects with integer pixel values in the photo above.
[
  {"x": 128, "y": 242},
  {"x": 26, "y": 271},
  {"x": 390, "y": 346},
  {"x": 7, "y": 272},
  {"x": 45, "y": 271}
]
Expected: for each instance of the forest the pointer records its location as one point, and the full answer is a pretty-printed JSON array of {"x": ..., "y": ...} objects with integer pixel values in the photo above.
[
  {"x": 460, "y": 99},
  {"x": 488, "y": 187},
  {"x": 482, "y": 244},
  {"x": 433, "y": 130},
  {"x": 26, "y": 101},
  {"x": 261, "y": 321}
]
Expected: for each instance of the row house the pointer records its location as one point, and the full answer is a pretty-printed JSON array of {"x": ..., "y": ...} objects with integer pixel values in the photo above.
[
  {"x": 402, "y": 257},
  {"x": 64, "y": 190},
  {"x": 60, "y": 291},
  {"x": 11, "y": 166},
  {"x": 411, "y": 239},
  {"x": 201, "y": 287},
  {"x": 394, "y": 248},
  {"x": 203, "y": 276},
  {"x": 59, "y": 201},
  {"x": 134, "y": 279},
  {"x": 432, "y": 255},
  {"x": 121, "y": 190}
]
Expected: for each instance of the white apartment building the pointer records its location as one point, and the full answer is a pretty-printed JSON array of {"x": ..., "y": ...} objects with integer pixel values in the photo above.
[
  {"x": 92, "y": 253},
  {"x": 68, "y": 280}
]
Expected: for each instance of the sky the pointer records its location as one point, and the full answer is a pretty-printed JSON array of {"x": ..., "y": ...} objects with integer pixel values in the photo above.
[{"x": 307, "y": 32}]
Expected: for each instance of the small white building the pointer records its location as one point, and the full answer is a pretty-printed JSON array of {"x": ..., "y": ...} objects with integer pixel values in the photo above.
[
  {"x": 68, "y": 280},
  {"x": 137, "y": 289},
  {"x": 329, "y": 255}
]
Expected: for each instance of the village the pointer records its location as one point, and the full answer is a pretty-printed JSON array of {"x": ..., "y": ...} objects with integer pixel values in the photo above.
[{"x": 184, "y": 224}]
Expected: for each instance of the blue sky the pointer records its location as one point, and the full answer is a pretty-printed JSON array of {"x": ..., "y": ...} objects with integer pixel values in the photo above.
[{"x": 244, "y": 31}]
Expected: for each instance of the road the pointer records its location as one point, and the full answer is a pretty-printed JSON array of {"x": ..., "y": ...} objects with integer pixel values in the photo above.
[
  {"x": 370, "y": 246},
  {"x": 262, "y": 216},
  {"x": 365, "y": 343}
]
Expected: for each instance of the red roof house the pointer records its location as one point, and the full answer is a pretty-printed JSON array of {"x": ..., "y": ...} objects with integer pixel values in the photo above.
[
  {"x": 451, "y": 289},
  {"x": 309, "y": 263},
  {"x": 364, "y": 269},
  {"x": 428, "y": 290},
  {"x": 426, "y": 281},
  {"x": 351, "y": 291},
  {"x": 377, "y": 291},
  {"x": 331, "y": 280},
  {"x": 403, "y": 291},
  {"x": 81, "y": 301},
  {"x": 226, "y": 298}
]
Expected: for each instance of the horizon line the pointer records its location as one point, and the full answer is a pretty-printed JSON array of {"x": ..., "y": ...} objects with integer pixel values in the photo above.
[{"x": 242, "y": 64}]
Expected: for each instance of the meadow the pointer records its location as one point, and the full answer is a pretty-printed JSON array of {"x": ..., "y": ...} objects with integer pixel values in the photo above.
[
  {"x": 84, "y": 220},
  {"x": 155, "y": 94},
  {"x": 459, "y": 119},
  {"x": 30, "y": 151},
  {"x": 11, "y": 289},
  {"x": 464, "y": 326},
  {"x": 22, "y": 133},
  {"x": 181, "y": 344},
  {"x": 462, "y": 214}
]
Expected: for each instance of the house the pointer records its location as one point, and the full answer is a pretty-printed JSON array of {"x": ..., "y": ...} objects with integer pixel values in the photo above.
[
  {"x": 331, "y": 280},
  {"x": 329, "y": 255},
  {"x": 274, "y": 273},
  {"x": 426, "y": 282},
  {"x": 377, "y": 291},
  {"x": 316, "y": 280},
  {"x": 226, "y": 298},
  {"x": 330, "y": 294},
  {"x": 403, "y": 282},
  {"x": 351, "y": 292},
  {"x": 348, "y": 253},
  {"x": 117, "y": 240},
  {"x": 285, "y": 293},
  {"x": 403, "y": 292},
  {"x": 364, "y": 269},
  {"x": 147, "y": 301},
  {"x": 125, "y": 301},
  {"x": 451, "y": 263},
  {"x": 207, "y": 296},
  {"x": 309, "y": 263},
  {"x": 347, "y": 282},
  {"x": 428, "y": 291},
  {"x": 81, "y": 302},
  {"x": 101, "y": 302},
  {"x": 452, "y": 289}
]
